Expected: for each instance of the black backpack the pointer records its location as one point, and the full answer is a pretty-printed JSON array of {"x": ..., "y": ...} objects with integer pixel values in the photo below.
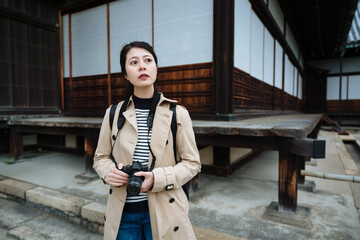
[{"x": 121, "y": 121}]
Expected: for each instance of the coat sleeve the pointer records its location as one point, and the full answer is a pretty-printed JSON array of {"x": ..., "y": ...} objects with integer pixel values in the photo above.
[
  {"x": 102, "y": 161},
  {"x": 189, "y": 164}
]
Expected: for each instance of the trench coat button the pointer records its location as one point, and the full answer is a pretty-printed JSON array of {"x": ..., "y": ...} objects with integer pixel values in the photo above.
[
  {"x": 110, "y": 191},
  {"x": 167, "y": 141},
  {"x": 113, "y": 137},
  {"x": 104, "y": 218},
  {"x": 176, "y": 228},
  {"x": 171, "y": 200}
]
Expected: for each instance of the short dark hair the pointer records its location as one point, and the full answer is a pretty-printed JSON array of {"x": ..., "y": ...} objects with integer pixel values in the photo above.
[{"x": 126, "y": 49}]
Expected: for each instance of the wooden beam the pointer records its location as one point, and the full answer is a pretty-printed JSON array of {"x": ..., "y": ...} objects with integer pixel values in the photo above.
[{"x": 305, "y": 147}]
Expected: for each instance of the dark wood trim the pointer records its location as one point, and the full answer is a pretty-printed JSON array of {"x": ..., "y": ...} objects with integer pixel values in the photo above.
[
  {"x": 61, "y": 64},
  {"x": 81, "y": 5},
  {"x": 343, "y": 74},
  {"x": 108, "y": 52},
  {"x": 27, "y": 19},
  {"x": 185, "y": 67},
  {"x": 223, "y": 55}
]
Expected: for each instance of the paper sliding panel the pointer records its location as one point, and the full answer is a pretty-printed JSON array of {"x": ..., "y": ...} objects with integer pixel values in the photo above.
[
  {"x": 257, "y": 47},
  {"x": 65, "y": 44},
  {"x": 89, "y": 42},
  {"x": 268, "y": 58},
  {"x": 242, "y": 26},
  {"x": 332, "y": 88},
  {"x": 183, "y": 31},
  {"x": 128, "y": 22},
  {"x": 354, "y": 87},
  {"x": 278, "y": 64}
]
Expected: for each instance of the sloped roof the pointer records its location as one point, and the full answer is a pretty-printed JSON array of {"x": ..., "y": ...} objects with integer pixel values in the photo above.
[
  {"x": 320, "y": 26},
  {"x": 354, "y": 33}
]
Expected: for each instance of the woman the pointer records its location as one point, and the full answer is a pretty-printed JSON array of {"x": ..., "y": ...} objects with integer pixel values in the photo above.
[{"x": 160, "y": 211}]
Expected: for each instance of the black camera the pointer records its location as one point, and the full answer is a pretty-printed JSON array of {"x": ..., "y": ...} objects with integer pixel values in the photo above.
[{"x": 134, "y": 184}]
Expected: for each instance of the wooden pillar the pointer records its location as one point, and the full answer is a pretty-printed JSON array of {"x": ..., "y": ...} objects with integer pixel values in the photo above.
[
  {"x": 223, "y": 57},
  {"x": 301, "y": 166},
  {"x": 222, "y": 160},
  {"x": 16, "y": 143},
  {"x": 90, "y": 143},
  {"x": 288, "y": 179}
]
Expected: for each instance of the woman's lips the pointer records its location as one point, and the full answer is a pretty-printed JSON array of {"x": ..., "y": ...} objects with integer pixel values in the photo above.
[{"x": 143, "y": 76}]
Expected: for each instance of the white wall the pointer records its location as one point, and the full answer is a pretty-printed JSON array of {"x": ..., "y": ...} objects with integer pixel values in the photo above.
[{"x": 183, "y": 31}]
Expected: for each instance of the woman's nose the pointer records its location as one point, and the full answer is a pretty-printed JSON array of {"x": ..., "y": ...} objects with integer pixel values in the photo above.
[{"x": 141, "y": 65}]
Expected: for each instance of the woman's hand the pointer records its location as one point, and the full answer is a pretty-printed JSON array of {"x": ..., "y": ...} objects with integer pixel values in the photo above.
[
  {"x": 117, "y": 177},
  {"x": 148, "y": 181}
]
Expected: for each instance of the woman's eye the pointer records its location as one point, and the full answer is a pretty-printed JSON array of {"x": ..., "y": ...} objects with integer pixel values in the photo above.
[
  {"x": 148, "y": 60},
  {"x": 133, "y": 62}
]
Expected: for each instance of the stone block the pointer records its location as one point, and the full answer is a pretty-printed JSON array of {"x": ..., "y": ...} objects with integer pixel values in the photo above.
[
  {"x": 94, "y": 212},
  {"x": 301, "y": 219},
  {"x": 355, "y": 190},
  {"x": 15, "y": 187},
  {"x": 66, "y": 203},
  {"x": 308, "y": 186},
  {"x": 101, "y": 230},
  {"x": 24, "y": 232}
]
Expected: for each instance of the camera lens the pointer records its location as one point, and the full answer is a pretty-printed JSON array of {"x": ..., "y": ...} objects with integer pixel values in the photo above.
[{"x": 134, "y": 186}]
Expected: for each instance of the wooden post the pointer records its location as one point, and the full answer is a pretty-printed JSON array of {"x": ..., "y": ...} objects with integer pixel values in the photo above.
[
  {"x": 301, "y": 162},
  {"x": 222, "y": 160},
  {"x": 223, "y": 57},
  {"x": 288, "y": 179},
  {"x": 90, "y": 143},
  {"x": 16, "y": 143}
]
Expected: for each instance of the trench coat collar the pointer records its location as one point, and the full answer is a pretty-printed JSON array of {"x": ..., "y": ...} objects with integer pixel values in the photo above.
[
  {"x": 130, "y": 114},
  {"x": 161, "y": 126}
]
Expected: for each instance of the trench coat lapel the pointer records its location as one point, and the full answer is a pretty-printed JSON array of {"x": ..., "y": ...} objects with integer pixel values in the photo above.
[
  {"x": 160, "y": 131},
  {"x": 130, "y": 116}
]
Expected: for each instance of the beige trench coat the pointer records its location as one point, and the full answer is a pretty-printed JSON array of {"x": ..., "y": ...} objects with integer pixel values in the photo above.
[{"x": 168, "y": 209}]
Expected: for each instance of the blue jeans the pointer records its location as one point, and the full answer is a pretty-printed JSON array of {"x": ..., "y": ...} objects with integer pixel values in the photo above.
[{"x": 135, "y": 226}]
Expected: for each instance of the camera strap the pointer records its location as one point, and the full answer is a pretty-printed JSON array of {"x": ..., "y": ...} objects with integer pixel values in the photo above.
[{"x": 150, "y": 123}]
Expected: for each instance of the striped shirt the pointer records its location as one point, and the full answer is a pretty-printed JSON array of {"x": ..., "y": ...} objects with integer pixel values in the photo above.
[{"x": 142, "y": 108}]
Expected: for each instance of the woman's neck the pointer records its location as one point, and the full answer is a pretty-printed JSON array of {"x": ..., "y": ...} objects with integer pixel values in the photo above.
[{"x": 144, "y": 92}]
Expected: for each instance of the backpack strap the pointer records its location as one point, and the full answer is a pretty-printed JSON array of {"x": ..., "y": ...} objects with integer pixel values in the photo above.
[
  {"x": 121, "y": 118},
  {"x": 174, "y": 127},
  {"x": 185, "y": 187},
  {"x": 112, "y": 114}
]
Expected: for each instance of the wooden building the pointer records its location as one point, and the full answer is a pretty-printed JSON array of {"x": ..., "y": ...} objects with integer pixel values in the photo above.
[{"x": 222, "y": 59}]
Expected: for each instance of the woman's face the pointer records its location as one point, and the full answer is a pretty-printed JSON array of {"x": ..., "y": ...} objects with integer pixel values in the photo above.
[{"x": 141, "y": 69}]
